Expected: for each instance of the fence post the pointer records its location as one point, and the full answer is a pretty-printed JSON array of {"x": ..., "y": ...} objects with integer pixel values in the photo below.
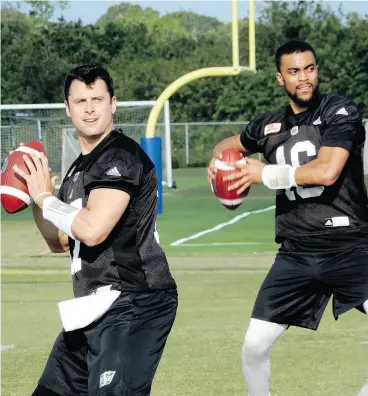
[
  {"x": 12, "y": 134},
  {"x": 187, "y": 143},
  {"x": 39, "y": 129}
]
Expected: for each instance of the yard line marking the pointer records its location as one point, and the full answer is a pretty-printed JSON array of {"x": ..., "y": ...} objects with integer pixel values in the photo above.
[
  {"x": 222, "y": 272},
  {"x": 181, "y": 241},
  {"x": 7, "y": 347},
  {"x": 223, "y": 244}
]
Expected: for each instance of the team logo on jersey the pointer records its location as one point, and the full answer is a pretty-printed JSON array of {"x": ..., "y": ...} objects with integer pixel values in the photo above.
[
  {"x": 294, "y": 130},
  {"x": 317, "y": 121},
  {"x": 342, "y": 111},
  {"x": 113, "y": 172},
  {"x": 272, "y": 128},
  {"x": 106, "y": 378}
]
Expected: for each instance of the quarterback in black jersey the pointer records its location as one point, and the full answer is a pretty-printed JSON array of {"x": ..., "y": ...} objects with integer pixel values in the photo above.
[
  {"x": 116, "y": 327},
  {"x": 314, "y": 148}
]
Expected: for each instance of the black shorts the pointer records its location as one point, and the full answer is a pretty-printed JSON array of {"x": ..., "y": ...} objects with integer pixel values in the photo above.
[
  {"x": 299, "y": 285},
  {"x": 115, "y": 356}
]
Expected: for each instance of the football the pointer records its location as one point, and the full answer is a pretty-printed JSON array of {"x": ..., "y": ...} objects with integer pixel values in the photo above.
[
  {"x": 13, "y": 189},
  {"x": 230, "y": 199}
]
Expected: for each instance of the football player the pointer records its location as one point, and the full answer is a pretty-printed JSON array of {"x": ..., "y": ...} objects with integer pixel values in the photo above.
[
  {"x": 314, "y": 151},
  {"x": 115, "y": 329}
]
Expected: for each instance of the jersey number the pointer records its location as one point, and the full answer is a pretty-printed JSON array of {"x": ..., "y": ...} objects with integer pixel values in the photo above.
[
  {"x": 300, "y": 147},
  {"x": 76, "y": 264}
]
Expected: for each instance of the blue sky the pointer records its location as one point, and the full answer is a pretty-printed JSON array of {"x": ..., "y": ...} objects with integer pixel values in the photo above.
[{"x": 90, "y": 11}]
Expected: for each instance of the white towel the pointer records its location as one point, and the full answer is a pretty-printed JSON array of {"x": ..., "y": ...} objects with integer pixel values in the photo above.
[{"x": 82, "y": 311}]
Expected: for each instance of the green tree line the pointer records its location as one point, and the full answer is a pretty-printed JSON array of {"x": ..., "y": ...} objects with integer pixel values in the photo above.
[{"x": 145, "y": 52}]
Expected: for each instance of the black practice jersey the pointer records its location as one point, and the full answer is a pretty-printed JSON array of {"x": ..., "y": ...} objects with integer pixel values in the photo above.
[
  {"x": 337, "y": 212},
  {"x": 130, "y": 258}
]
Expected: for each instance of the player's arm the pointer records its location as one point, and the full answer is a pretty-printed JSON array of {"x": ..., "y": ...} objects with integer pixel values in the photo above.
[
  {"x": 57, "y": 241},
  {"x": 108, "y": 198},
  {"x": 90, "y": 225},
  {"x": 325, "y": 169},
  {"x": 342, "y": 132}
]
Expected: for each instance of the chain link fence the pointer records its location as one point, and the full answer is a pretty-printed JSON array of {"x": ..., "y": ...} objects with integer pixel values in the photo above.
[{"x": 192, "y": 142}]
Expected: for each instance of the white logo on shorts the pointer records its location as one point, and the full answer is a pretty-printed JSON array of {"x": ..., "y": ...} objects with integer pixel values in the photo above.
[{"x": 106, "y": 378}]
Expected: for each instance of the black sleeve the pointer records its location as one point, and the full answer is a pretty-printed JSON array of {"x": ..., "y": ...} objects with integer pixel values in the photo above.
[
  {"x": 341, "y": 125},
  {"x": 60, "y": 194},
  {"x": 251, "y": 137},
  {"x": 115, "y": 174}
]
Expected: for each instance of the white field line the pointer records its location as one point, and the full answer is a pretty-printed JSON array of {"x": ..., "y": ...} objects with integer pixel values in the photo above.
[
  {"x": 181, "y": 241},
  {"x": 223, "y": 244},
  {"x": 7, "y": 347}
]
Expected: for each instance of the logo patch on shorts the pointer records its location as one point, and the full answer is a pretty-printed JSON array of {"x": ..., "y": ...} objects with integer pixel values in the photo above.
[
  {"x": 341, "y": 221},
  {"x": 106, "y": 378},
  {"x": 272, "y": 128}
]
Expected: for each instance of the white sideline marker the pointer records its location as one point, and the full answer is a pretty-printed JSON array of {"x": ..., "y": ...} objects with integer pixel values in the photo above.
[
  {"x": 180, "y": 242},
  {"x": 7, "y": 347}
]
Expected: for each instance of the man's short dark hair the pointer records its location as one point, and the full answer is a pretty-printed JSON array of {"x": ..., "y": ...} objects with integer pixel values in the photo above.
[
  {"x": 292, "y": 47},
  {"x": 88, "y": 74}
]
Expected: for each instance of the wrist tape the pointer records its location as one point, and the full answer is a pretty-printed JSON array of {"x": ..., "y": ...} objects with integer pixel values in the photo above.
[
  {"x": 278, "y": 177},
  {"x": 60, "y": 214}
]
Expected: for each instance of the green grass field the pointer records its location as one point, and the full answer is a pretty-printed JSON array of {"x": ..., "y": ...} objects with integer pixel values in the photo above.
[{"x": 218, "y": 275}]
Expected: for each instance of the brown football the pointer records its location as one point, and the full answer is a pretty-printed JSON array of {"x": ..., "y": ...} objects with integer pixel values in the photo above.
[
  {"x": 13, "y": 189},
  {"x": 230, "y": 199}
]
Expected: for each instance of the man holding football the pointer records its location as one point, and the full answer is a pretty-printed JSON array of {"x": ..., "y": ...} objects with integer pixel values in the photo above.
[
  {"x": 115, "y": 329},
  {"x": 314, "y": 148}
]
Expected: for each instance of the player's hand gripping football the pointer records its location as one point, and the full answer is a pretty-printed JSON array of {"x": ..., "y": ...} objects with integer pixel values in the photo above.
[
  {"x": 249, "y": 173},
  {"x": 217, "y": 154},
  {"x": 39, "y": 180}
]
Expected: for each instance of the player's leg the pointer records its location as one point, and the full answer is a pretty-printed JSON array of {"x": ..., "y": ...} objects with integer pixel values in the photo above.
[
  {"x": 126, "y": 345},
  {"x": 346, "y": 272},
  {"x": 289, "y": 295},
  {"x": 364, "y": 390},
  {"x": 365, "y": 307},
  {"x": 258, "y": 341},
  {"x": 65, "y": 373}
]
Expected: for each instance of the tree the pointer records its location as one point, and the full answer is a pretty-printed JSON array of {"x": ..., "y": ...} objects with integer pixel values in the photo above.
[{"x": 45, "y": 9}]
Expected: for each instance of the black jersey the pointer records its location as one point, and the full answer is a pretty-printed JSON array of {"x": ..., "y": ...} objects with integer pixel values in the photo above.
[
  {"x": 131, "y": 257},
  {"x": 337, "y": 212}
]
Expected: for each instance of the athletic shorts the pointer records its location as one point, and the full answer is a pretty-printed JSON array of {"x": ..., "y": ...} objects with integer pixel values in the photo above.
[
  {"x": 117, "y": 355},
  {"x": 299, "y": 285}
]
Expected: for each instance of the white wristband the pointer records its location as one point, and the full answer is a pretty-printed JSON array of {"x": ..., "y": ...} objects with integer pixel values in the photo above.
[
  {"x": 277, "y": 177},
  {"x": 41, "y": 195},
  {"x": 60, "y": 214}
]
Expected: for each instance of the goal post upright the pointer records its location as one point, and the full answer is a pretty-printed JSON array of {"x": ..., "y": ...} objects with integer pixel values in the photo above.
[{"x": 151, "y": 143}]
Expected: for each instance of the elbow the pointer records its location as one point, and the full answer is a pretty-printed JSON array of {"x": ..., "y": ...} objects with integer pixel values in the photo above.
[
  {"x": 328, "y": 178},
  {"x": 93, "y": 239},
  {"x": 58, "y": 248}
]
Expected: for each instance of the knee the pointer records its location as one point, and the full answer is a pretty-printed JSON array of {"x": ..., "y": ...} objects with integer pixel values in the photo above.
[{"x": 254, "y": 345}]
